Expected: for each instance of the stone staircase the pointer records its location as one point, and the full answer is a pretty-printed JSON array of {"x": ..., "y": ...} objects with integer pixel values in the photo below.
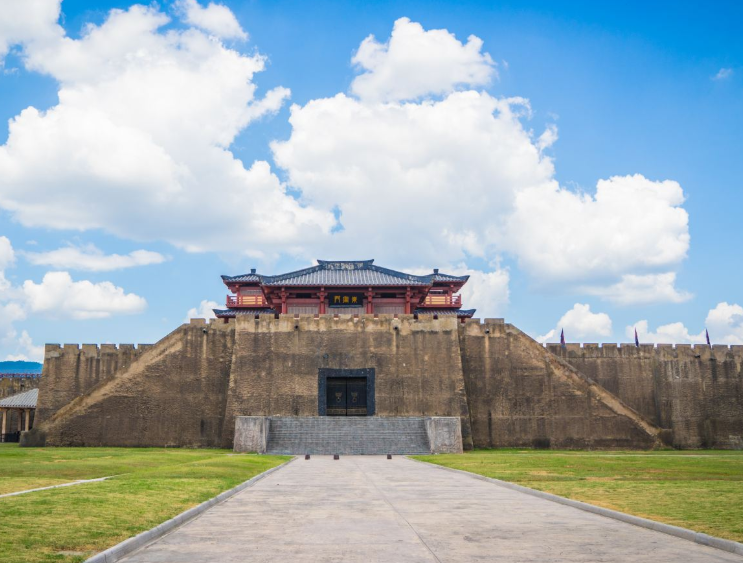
[{"x": 326, "y": 435}]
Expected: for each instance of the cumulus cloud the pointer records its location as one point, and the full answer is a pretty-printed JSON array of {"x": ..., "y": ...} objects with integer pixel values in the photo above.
[
  {"x": 442, "y": 174},
  {"x": 217, "y": 19},
  {"x": 11, "y": 312},
  {"x": 631, "y": 223},
  {"x": 59, "y": 296},
  {"x": 488, "y": 292},
  {"x": 580, "y": 323},
  {"x": 27, "y": 21},
  {"x": 416, "y": 164},
  {"x": 203, "y": 311},
  {"x": 26, "y": 350},
  {"x": 642, "y": 289},
  {"x": 92, "y": 259},
  {"x": 415, "y": 62},
  {"x": 724, "y": 322},
  {"x": 477, "y": 179},
  {"x": 137, "y": 144},
  {"x": 672, "y": 333}
]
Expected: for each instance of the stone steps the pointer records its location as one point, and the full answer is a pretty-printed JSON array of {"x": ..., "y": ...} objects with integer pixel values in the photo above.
[{"x": 347, "y": 436}]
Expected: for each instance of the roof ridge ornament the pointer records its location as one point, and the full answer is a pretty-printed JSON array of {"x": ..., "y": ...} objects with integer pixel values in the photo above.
[{"x": 345, "y": 264}]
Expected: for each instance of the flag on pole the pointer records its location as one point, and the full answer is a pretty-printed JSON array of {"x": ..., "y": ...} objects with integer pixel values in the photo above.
[
  {"x": 707, "y": 333},
  {"x": 637, "y": 340},
  {"x": 562, "y": 338}
]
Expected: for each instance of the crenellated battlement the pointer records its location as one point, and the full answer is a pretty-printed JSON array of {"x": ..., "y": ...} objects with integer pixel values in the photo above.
[{"x": 663, "y": 352}]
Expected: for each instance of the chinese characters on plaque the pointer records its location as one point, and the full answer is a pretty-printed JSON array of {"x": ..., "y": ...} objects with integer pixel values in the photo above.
[{"x": 345, "y": 299}]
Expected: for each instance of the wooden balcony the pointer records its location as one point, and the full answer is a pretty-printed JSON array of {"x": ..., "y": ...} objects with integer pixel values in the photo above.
[
  {"x": 442, "y": 300},
  {"x": 246, "y": 301}
]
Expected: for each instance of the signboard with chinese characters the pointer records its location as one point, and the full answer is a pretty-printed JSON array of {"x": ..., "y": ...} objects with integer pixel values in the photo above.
[{"x": 345, "y": 299}]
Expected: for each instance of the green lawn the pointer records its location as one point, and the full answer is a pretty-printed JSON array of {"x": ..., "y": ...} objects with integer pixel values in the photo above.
[
  {"x": 72, "y": 523},
  {"x": 700, "y": 490}
]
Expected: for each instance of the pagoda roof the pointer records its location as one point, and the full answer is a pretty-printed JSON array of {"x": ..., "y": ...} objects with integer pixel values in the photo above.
[
  {"x": 25, "y": 400},
  {"x": 345, "y": 273}
]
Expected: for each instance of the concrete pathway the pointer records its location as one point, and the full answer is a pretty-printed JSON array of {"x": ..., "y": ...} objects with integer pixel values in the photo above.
[
  {"x": 372, "y": 509},
  {"x": 71, "y": 484}
]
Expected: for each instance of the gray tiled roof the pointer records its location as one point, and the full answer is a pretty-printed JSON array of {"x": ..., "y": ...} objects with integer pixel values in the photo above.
[
  {"x": 457, "y": 312},
  {"x": 229, "y": 313},
  {"x": 345, "y": 273},
  {"x": 25, "y": 400}
]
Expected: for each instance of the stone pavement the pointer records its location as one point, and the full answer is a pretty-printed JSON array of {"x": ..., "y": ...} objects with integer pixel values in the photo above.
[{"x": 376, "y": 510}]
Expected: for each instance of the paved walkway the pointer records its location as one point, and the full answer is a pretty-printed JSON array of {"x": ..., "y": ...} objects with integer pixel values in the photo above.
[{"x": 372, "y": 509}]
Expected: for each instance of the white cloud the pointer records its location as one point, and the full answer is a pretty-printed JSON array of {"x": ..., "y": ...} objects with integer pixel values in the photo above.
[
  {"x": 26, "y": 350},
  {"x": 137, "y": 145},
  {"x": 7, "y": 258},
  {"x": 59, "y": 296},
  {"x": 203, "y": 311},
  {"x": 580, "y": 323},
  {"x": 723, "y": 73},
  {"x": 672, "y": 333},
  {"x": 215, "y": 18},
  {"x": 454, "y": 178},
  {"x": 415, "y": 62},
  {"x": 630, "y": 223},
  {"x": 11, "y": 312},
  {"x": 642, "y": 289},
  {"x": 487, "y": 292},
  {"x": 25, "y": 21},
  {"x": 442, "y": 174},
  {"x": 92, "y": 259},
  {"x": 725, "y": 323},
  {"x": 478, "y": 181}
]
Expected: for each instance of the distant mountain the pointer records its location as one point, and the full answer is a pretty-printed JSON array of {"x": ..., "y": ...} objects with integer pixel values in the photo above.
[{"x": 20, "y": 367}]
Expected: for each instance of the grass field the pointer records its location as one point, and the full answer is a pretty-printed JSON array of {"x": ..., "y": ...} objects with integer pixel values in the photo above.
[
  {"x": 700, "y": 490},
  {"x": 72, "y": 523}
]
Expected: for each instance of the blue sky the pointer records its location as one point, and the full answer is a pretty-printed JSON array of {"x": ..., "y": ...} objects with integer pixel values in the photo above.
[{"x": 415, "y": 148}]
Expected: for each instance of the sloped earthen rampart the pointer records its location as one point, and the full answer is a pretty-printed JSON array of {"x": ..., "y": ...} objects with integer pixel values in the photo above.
[
  {"x": 696, "y": 392},
  {"x": 521, "y": 395},
  {"x": 170, "y": 394}
]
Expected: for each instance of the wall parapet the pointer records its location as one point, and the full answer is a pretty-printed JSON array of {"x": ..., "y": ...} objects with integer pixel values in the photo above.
[{"x": 658, "y": 351}]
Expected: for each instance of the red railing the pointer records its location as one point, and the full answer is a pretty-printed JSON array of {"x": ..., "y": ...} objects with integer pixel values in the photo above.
[
  {"x": 442, "y": 300},
  {"x": 246, "y": 301}
]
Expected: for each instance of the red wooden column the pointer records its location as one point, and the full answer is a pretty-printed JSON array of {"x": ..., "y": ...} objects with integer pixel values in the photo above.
[
  {"x": 284, "y": 308},
  {"x": 369, "y": 302},
  {"x": 407, "y": 300},
  {"x": 322, "y": 301}
]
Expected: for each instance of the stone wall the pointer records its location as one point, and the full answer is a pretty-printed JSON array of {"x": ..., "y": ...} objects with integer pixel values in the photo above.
[
  {"x": 696, "y": 392},
  {"x": 418, "y": 369},
  {"x": 507, "y": 389},
  {"x": 71, "y": 371},
  {"x": 14, "y": 383},
  {"x": 521, "y": 395},
  {"x": 173, "y": 394}
]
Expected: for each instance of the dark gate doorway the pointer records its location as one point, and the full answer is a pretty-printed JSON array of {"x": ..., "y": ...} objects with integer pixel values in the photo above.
[{"x": 346, "y": 396}]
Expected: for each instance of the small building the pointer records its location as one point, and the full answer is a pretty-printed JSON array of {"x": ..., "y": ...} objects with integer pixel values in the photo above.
[
  {"x": 17, "y": 413},
  {"x": 345, "y": 287}
]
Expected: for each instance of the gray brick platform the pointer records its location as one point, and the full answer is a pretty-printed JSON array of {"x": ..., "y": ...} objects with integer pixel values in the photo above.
[{"x": 347, "y": 435}]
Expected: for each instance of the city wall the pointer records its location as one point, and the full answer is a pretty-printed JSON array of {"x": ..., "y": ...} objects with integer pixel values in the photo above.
[
  {"x": 14, "y": 383},
  {"x": 418, "y": 368},
  {"x": 520, "y": 395},
  {"x": 696, "y": 392},
  {"x": 507, "y": 389}
]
